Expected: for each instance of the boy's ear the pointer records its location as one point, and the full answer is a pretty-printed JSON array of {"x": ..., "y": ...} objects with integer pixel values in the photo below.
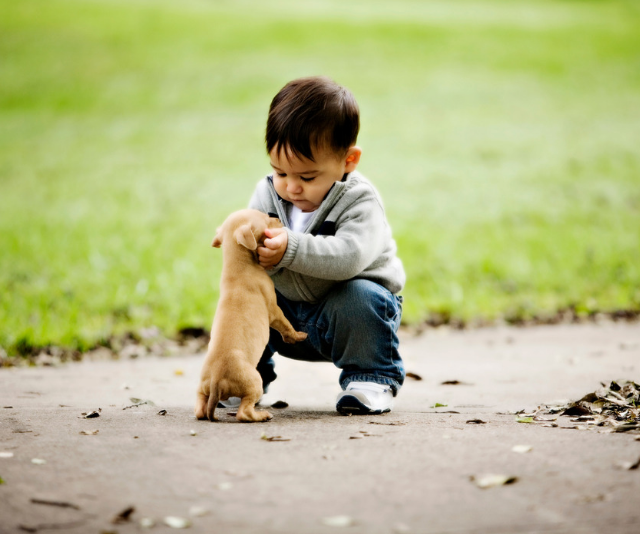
[
  {"x": 217, "y": 240},
  {"x": 244, "y": 236},
  {"x": 352, "y": 159}
]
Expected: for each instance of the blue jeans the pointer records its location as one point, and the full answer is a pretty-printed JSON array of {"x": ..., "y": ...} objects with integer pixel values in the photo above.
[{"x": 355, "y": 326}]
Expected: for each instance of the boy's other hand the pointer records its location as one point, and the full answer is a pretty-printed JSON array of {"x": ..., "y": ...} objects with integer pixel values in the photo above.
[{"x": 274, "y": 247}]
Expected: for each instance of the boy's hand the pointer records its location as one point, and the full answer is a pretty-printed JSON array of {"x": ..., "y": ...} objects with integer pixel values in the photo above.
[{"x": 274, "y": 247}]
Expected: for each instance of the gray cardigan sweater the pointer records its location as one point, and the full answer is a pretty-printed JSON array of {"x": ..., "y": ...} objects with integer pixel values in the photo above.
[{"x": 348, "y": 237}]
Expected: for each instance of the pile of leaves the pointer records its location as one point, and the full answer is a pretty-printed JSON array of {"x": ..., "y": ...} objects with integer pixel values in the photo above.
[{"x": 615, "y": 408}]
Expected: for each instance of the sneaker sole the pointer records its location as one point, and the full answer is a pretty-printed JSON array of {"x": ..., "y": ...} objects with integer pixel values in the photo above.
[{"x": 350, "y": 405}]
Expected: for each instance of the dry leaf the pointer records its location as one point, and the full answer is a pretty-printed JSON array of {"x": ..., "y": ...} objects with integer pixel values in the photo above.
[
  {"x": 199, "y": 511},
  {"x": 393, "y": 423},
  {"x": 415, "y": 376},
  {"x": 147, "y": 522},
  {"x": 123, "y": 516},
  {"x": 279, "y": 405},
  {"x": 177, "y": 522},
  {"x": 193, "y": 433},
  {"x": 273, "y": 438},
  {"x": 524, "y": 420},
  {"x": 91, "y": 415},
  {"x": 576, "y": 410},
  {"x": 60, "y": 504},
  {"x": 490, "y": 481},
  {"x": 138, "y": 402},
  {"x": 626, "y": 427},
  {"x": 162, "y": 412},
  {"x": 630, "y": 466},
  {"x": 522, "y": 448},
  {"x": 88, "y": 432},
  {"x": 598, "y": 497},
  {"x": 476, "y": 422},
  {"x": 338, "y": 521}
]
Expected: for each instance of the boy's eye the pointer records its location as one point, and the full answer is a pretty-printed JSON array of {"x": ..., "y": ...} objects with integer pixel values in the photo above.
[
  {"x": 281, "y": 174},
  {"x": 307, "y": 179}
]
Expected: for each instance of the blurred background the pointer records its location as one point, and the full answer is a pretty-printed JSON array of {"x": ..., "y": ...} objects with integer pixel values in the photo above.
[{"x": 503, "y": 135}]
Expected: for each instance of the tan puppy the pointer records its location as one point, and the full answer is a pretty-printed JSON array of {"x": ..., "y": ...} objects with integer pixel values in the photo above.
[{"x": 246, "y": 309}]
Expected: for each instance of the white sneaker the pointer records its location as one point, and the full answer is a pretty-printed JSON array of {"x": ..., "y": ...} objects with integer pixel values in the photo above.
[
  {"x": 231, "y": 402},
  {"x": 365, "y": 398}
]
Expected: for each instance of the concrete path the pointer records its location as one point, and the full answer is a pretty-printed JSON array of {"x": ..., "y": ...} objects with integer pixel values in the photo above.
[{"x": 404, "y": 472}]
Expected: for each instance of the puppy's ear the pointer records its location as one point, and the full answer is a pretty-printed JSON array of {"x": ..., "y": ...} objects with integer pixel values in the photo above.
[
  {"x": 217, "y": 240},
  {"x": 244, "y": 236}
]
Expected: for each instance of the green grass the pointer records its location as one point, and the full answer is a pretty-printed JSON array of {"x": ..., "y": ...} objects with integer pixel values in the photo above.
[{"x": 503, "y": 135}]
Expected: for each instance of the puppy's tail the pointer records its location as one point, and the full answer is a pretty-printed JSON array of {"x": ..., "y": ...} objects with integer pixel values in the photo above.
[{"x": 212, "y": 402}]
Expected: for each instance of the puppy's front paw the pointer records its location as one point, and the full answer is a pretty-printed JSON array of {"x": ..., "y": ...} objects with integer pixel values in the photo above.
[
  {"x": 200, "y": 409},
  {"x": 295, "y": 338}
]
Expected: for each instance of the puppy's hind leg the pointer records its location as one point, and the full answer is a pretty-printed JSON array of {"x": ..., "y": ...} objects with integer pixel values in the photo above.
[
  {"x": 280, "y": 323},
  {"x": 253, "y": 391},
  {"x": 247, "y": 412}
]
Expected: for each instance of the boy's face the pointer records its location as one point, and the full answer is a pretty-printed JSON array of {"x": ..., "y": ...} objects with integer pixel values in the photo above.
[{"x": 305, "y": 183}]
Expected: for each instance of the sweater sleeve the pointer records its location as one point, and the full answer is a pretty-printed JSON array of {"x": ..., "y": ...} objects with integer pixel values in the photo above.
[{"x": 357, "y": 243}]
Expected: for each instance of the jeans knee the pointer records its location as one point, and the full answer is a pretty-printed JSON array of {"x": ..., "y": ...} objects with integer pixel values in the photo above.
[{"x": 362, "y": 299}]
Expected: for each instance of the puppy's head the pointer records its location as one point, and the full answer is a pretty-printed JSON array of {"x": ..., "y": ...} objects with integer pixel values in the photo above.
[{"x": 246, "y": 228}]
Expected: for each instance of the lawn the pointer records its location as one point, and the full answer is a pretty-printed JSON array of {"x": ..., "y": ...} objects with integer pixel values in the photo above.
[{"x": 504, "y": 136}]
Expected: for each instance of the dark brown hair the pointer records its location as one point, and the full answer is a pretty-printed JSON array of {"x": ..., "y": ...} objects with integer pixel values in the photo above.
[{"x": 310, "y": 113}]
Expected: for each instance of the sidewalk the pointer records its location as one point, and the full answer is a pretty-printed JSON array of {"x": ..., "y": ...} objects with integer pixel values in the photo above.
[{"x": 405, "y": 472}]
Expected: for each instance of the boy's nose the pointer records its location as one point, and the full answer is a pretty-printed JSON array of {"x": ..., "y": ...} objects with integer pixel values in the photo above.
[{"x": 293, "y": 186}]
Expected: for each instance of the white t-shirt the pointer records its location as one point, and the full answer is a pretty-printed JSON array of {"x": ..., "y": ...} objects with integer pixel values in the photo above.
[{"x": 299, "y": 219}]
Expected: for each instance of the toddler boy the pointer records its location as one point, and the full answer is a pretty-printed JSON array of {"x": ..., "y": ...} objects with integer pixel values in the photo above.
[{"x": 334, "y": 263}]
